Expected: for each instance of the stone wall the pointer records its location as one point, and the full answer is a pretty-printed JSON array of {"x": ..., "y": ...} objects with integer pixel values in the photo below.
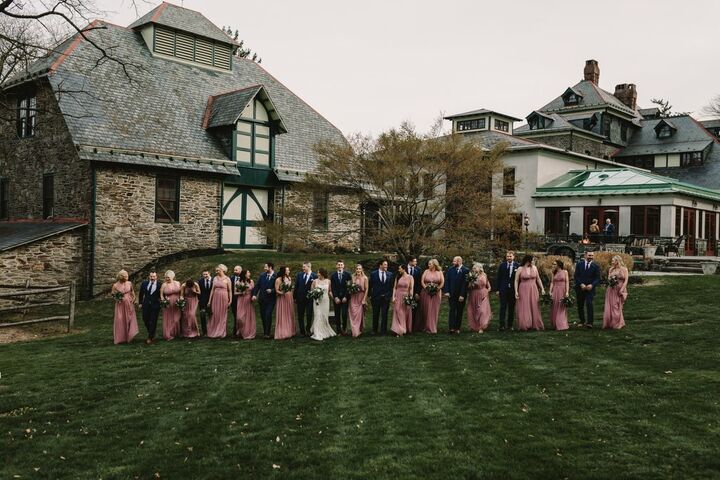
[
  {"x": 578, "y": 144},
  {"x": 127, "y": 235}
]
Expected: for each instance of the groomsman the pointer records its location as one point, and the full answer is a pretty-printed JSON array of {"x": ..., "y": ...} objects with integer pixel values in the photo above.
[
  {"x": 234, "y": 279},
  {"x": 205, "y": 283},
  {"x": 414, "y": 271},
  {"x": 609, "y": 231},
  {"x": 455, "y": 290},
  {"x": 303, "y": 284},
  {"x": 506, "y": 290},
  {"x": 587, "y": 278},
  {"x": 338, "y": 283},
  {"x": 380, "y": 293},
  {"x": 149, "y": 299},
  {"x": 264, "y": 291}
]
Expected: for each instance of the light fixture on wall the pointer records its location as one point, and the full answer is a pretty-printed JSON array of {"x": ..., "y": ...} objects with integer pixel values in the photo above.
[
  {"x": 610, "y": 210},
  {"x": 694, "y": 203}
]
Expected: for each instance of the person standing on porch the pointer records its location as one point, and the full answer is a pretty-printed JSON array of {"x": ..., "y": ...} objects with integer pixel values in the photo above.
[{"x": 609, "y": 231}]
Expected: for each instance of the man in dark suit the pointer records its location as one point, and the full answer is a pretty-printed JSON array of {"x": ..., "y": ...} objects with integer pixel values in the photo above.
[
  {"x": 609, "y": 231},
  {"x": 303, "y": 284},
  {"x": 587, "y": 278},
  {"x": 380, "y": 293},
  {"x": 205, "y": 283},
  {"x": 414, "y": 271},
  {"x": 264, "y": 291},
  {"x": 234, "y": 279},
  {"x": 506, "y": 290},
  {"x": 455, "y": 290},
  {"x": 149, "y": 299},
  {"x": 338, "y": 283}
]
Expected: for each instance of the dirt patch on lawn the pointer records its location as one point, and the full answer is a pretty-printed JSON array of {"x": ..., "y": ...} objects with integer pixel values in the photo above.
[
  {"x": 648, "y": 282},
  {"x": 31, "y": 332}
]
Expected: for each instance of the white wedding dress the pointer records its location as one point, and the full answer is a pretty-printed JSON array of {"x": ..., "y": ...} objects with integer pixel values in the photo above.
[{"x": 321, "y": 328}]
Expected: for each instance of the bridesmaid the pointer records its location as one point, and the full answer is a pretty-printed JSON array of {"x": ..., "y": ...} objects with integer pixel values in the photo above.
[
  {"x": 219, "y": 301},
  {"x": 559, "y": 289},
  {"x": 430, "y": 304},
  {"x": 402, "y": 314},
  {"x": 358, "y": 301},
  {"x": 245, "y": 308},
  {"x": 527, "y": 285},
  {"x": 478, "y": 307},
  {"x": 190, "y": 292},
  {"x": 285, "y": 307},
  {"x": 615, "y": 296},
  {"x": 170, "y": 291},
  {"x": 124, "y": 322}
]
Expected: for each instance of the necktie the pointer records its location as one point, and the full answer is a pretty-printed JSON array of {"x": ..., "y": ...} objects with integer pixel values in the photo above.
[
  {"x": 207, "y": 283},
  {"x": 587, "y": 265},
  {"x": 306, "y": 278},
  {"x": 410, "y": 270},
  {"x": 382, "y": 277},
  {"x": 511, "y": 269}
]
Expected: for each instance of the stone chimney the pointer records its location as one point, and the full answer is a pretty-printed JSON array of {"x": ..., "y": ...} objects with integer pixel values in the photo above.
[
  {"x": 627, "y": 94},
  {"x": 592, "y": 71}
]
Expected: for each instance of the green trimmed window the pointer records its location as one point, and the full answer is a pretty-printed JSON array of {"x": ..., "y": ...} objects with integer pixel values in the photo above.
[
  {"x": 320, "y": 210},
  {"x": 26, "y": 116},
  {"x": 253, "y": 137},
  {"x": 167, "y": 199}
]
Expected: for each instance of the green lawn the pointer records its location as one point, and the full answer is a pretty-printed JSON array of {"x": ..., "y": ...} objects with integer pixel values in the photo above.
[{"x": 637, "y": 403}]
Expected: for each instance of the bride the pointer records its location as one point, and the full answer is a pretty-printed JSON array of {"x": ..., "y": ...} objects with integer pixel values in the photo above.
[{"x": 321, "y": 328}]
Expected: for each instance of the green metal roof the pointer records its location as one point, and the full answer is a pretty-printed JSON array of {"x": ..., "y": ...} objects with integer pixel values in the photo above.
[{"x": 618, "y": 181}]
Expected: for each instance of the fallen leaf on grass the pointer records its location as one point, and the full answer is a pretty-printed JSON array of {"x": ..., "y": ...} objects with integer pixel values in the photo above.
[
  {"x": 276, "y": 466},
  {"x": 668, "y": 372}
]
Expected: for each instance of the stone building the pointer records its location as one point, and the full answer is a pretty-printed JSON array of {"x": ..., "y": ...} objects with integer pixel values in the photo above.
[{"x": 193, "y": 150}]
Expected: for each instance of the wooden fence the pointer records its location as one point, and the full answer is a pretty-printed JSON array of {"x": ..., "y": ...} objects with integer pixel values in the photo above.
[{"x": 37, "y": 297}]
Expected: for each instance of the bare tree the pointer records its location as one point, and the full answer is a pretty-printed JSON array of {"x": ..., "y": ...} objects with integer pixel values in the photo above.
[
  {"x": 712, "y": 108},
  {"x": 241, "y": 51},
  {"x": 665, "y": 108}
]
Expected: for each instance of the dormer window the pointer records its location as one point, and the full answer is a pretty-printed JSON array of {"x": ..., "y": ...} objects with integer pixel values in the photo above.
[
  {"x": 664, "y": 132},
  {"x": 466, "y": 125},
  {"x": 502, "y": 125},
  {"x": 590, "y": 123},
  {"x": 538, "y": 121},
  {"x": 253, "y": 136},
  {"x": 664, "y": 129},
  {"x": 571, "y": 97}
]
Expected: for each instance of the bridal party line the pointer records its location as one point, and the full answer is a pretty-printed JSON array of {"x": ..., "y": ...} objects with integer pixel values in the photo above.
[{"x": 403, "y": 301}]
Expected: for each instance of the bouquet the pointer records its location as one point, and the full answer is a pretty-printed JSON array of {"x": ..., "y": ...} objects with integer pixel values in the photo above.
[
  {"x": 432, "y": 288},
  {"x": 410, "y": 301},
  {"x": 352, "y": 287},
  {"x": 286, "y": 287},
  {"x": 164, "y": 303},
  {"x": 118, "y": 296},
  {"x": 568, "y": 301},
  {"x": 241, "y": 287},
  {"x": 181, "y": 303},
  {"x": 316, "y": 294},
  {"x": 471, "y": 277},
  {"x": 546, "y": 299},
  {"x": 612, "y": 281}
]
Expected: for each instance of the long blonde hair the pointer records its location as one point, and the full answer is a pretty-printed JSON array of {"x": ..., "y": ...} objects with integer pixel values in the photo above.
[
  {"x": 434, "y": 263},
  {"x": 619, "y": 260}
]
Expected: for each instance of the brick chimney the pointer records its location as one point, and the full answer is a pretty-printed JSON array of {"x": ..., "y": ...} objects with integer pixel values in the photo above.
[
  {"x": 592, "y": 71},
  {"x": 627, "y": 94}
]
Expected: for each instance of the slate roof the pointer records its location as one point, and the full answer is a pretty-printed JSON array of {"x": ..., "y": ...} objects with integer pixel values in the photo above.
[
  {"x": 481, "y": 112},
  {"x": 714, "y": 123},
  {"x": 490, "y": 138},
  {"x": 689, "y": 136},
  {"x": 184, "y": 19},
  {"x": 559, "y": 123},
  {"x": 16, "y": 234},
  {"x": 162, "y": 110},
  {"x": 224, "y": 109},
  {"x": 592, "y": 96}
]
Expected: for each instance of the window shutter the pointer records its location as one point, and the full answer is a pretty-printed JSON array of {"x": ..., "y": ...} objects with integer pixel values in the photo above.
[
  {"x": 223, "y": 55},
  {"x": 164, "y": 41},
  {"x": 203, "y": 51},
  {"x": 184, "y": 46}
]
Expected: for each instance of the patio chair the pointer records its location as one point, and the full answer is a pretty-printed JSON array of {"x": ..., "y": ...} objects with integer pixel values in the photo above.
[{"x": 675, "y": 246}]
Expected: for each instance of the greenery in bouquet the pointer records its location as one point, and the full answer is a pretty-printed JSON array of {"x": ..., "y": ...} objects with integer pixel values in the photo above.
[
  {"x": 432, "y": 288},
  {"x": 164, "y": 303},
  {"x": 568, "y": 301},
  {"x": 316, "y": 294},
  {"x": 181, "y": 303},
  {"x": 410, "y": 301},
  {"x": 612, "y": 281},
  {"x": 471, "y": 277},
  {"x": 286, "y": 287},
  {"x": 352, "y": 287},
  {"x": 118, "y": 296},
  {"x": 241, "y": 287}
]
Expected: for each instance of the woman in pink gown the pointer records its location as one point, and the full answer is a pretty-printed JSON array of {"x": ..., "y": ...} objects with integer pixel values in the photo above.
[
  {"x": 124, "y": 322},
  {"x": 189, "y": 324},
  {"x": 430, "y": 303},
  {"x": 358, "y": 302},
  {"x": 285, "y": 307},
  {"x": 170, "y": 291},
  {"x": 527, "y": 285},
  {"x": 559, "y": 289},
  {"x": 245, "y": 309},
  {"x": 478, "y": 304},
  {"x": 219, "y": 302},
  {"x": 615, "y": 296},
  {"x": 402, "y": 314}
]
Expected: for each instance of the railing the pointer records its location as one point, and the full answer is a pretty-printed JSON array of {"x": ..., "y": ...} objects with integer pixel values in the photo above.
[{"x": 27, "y": 293}]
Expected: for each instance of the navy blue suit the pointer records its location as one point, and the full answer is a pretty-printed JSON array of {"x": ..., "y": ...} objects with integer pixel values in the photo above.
[
  {"x": 338, "y": 283},
  {"x": 203, "y": 301},
  {"x": 609, "y": 232},
  {"x": 456, "y": 287},
  {"x": 267, "y": 300},
  {"x": 304, "y": 304},
  {"x": 587, "y": 276},
  {"x": 416, "y": 273},
  {"x": 233, "y": 301},
  {"x": 150, "y": 303},
  {"x": 380, "y": 294},
  {"x": 506, "y": 290}
]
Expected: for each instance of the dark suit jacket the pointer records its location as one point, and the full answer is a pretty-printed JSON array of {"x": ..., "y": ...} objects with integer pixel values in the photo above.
[
  {"x": 591, "y": 276},
  {"x": 505, "y": 281},
  {"x": 417, "y": 275},
  {"x": 339, "y": 285},
  {"x": 455, "y": 283},
  {"x": 264, "y": 282},
  {"x": 609, "y": 230},
  {"x": 234, "y": 278},
  {"x": 377, "y": 289},
  {"x": 145, "y": 298},
  {"x": 301, "y": 288},
  {"x": 204, "y": 292}
]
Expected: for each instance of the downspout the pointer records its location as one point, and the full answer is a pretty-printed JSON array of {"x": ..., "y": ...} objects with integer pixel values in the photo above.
[{"x": 91, "y": 273}]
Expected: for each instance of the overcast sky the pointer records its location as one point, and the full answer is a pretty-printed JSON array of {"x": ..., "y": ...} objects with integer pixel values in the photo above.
[{"x": 369, "y": 65}]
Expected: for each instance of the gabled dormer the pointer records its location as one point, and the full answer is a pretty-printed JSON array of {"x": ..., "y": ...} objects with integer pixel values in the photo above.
[
  {"x": 538, "y": 120},
  {"x": 571, "y": 97},
  {"x": 247, "y": 121},
  {"x": 665, "y": 129},
  {"x": 185, "y": 36},
  {"x": 482, "y": 120}
]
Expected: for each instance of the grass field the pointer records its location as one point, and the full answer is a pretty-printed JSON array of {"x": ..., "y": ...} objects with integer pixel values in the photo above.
[{"x": 636, "y": 403}]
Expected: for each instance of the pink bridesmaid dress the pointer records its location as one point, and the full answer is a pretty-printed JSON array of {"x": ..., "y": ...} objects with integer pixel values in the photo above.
[
  {"x": 124, "y": 322},
  {"x": 246, "y": 314},
  {"x": 356, "y": 309},
  {"x": 430, "y": 304},
  {"x": 614, "y": 300},
  {"x": 189, "y": 319},
  {"x": 558, "y": 311},
  {"x": 528, "y": 303},
  {"x": 478, "y": 307},
  {"x": 217, "y": 324},
  {"x": 285, "y": 316},
  {"x": 171, "y": 314},
  {"x": 402, "y": 314}
]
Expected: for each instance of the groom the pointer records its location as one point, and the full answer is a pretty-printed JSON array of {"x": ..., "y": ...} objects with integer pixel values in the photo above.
[
  {"x": 338, "y": 283},
  {"x": 455, "y": 290},
  {"x": 506, "y": 290},
  {"x": 303, "y": 284},
  {"x": 264, "y": 291},
  {"x": 380, "y": 292},
  {"x": 149, "y": 299},
  {"x": 587, "y": 278}
]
